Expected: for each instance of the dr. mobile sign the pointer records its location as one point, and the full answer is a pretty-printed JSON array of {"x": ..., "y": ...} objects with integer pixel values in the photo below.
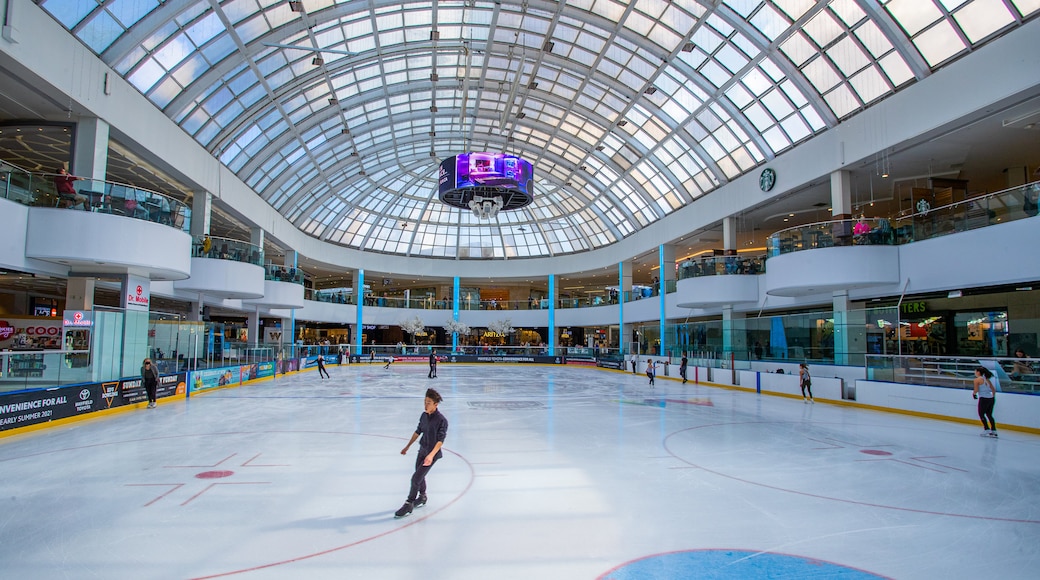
[
  {"x": 136, "y": 294},
  {"x": 78, "y": 319}
]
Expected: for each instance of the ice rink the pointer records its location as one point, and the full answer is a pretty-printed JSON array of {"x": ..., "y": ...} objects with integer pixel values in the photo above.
[{"x": 548, "y": 473}]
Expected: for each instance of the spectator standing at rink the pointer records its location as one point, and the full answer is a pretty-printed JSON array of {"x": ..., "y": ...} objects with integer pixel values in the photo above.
[
  {"x": 433, "y": 428},
  {"x": 806, "y": 382},
  {"x": 433, "y": 364},
  {"x": 987, "y": 396},
  {"x": 150, "y": 378}
]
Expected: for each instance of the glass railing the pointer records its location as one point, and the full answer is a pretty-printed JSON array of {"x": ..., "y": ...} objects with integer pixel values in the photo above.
[
  {"x": 39, "y": 369},
  {"x": 283, "y": 274},
  {"x": 1001, "y": 207},
  {"x": 331, "y": 296},
  {"x": 95, "y": 195},
  {"x": 227, "y": 249},
  {"x": 1012, "y": 375},
  {"x": 722, "y": 266}
]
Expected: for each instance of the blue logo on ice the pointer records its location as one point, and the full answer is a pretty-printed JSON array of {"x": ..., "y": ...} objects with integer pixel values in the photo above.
[{"x": 732, "y": 565}]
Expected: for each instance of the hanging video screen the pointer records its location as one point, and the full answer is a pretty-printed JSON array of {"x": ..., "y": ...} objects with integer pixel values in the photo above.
[{"x": 492, "y": 171}]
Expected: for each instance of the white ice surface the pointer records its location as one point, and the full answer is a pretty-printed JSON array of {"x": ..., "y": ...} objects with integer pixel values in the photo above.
[{"x": 549, "y": 472}]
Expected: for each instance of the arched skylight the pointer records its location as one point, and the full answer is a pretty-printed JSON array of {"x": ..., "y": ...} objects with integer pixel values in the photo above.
[{"x": 338, "y": 113}]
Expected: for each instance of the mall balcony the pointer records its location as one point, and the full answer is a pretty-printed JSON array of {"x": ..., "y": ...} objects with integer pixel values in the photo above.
[
  {"x": 101, "y": 228},
  {"x": 978, "y": 241},
  {"x": 226, "y": 269}
]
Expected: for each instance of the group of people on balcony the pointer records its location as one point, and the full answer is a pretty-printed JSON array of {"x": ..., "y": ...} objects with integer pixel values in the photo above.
[{"x": 881, "y": 233}]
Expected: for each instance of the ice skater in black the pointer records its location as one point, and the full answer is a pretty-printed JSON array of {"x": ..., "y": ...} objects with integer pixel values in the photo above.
[
  {"x": 321, "y": 368},
  {"x": 433, "y": 364},
  {"x": 150, "y": 376},
  {"x": 682, "y": 367},
  {"x": 433, "y": 427}
]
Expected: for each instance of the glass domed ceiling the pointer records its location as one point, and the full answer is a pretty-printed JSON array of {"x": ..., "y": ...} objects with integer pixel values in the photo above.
[{"x": 338, "y": 113}]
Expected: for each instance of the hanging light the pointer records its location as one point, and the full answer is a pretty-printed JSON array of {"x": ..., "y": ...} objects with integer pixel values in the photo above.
[{"x": 485, "y": 208}]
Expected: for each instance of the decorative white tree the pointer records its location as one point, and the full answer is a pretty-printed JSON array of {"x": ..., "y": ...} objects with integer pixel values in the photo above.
[
  {"x": 503, "y": 327},
  {"x": 412, "y": 326},
  {"x": 454, "y": 326}
]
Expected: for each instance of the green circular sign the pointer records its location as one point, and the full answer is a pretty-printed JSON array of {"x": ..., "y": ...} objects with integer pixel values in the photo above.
[{"x": 767, "y": 180}]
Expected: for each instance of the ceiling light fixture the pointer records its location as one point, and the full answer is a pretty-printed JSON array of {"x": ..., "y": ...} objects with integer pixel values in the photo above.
[
  {"x": 317, "y": 61},
  {"x": 296, "y": 5},
  {"x": 486, "y": 208}
]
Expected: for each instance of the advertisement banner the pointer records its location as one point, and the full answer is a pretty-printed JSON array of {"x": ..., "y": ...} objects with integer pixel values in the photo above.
[
  {"x": 202, "y": 380},
  {"x": 504, "y": 358},
  {"x": 288, "y": 365},
  {"x": 615, "y": 364},
  {"x": 22, "y": 409},
  {"x": 132, "y": 391},
  {"x": 264, "y": 370}
]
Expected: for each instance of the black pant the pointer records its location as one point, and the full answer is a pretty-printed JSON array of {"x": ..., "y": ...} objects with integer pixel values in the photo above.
[
  {"x": 419, "y": 477},
  {"x": 986, "y": 412},
  {"x": 806, "y": 386},
  {"x": 150, "y": 388},
  {"x": 322, "y": 372},
  {"x": 433, "y": 372},
  {"x": 682, "y": 373}
]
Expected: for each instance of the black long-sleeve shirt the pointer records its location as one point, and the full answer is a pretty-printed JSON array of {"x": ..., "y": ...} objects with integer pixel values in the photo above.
[{"x": 432, "y": 428}]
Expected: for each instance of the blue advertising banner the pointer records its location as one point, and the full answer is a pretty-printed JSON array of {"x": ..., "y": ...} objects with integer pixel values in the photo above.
[
  {"x": 202, "y": 380},
  {"x": 264, "y": 370}
]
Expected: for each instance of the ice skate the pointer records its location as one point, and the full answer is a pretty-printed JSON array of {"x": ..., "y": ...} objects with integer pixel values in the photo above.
[
  {"x": 405, "y": 510},
  {"x": 419, "y": 502}
]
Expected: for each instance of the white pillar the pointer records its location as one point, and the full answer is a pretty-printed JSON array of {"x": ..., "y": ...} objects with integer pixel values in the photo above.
[
  {"x": 841, "y": 195},
  {"x": 729, "y": 235},
  {"x": 201, "y": 210},
  {"x": 90, "y": 151},
  {"x": 79, "y": 294}
]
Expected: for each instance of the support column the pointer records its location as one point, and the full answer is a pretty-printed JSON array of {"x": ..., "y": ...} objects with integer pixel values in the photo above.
[
  {"x": 665, "y": 281},
  {"x": 291, "y": 258},
  {"x": 841, "y": 207},
  {"x": 734, "y": 333},
  {"x": 553, "y": 298},
  {"x": 359, "y": 299},
  {"x": 625, "y": 295},
  {"x": 850, "y": 331},
  {"x": 455, "y": 291},
  {"x": 136, "y": 298},
  {"x": 90, "y": 151},
  {"x": 79, "y": 294},
  {"x": 729, "y": 236},
  {"x": 254, "y": 326},
  {"x": 256, "y": 237},
  {"x": 201, "y": 212}
]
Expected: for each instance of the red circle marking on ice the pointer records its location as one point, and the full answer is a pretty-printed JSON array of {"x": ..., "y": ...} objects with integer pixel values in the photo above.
[
  {"x": 214, "y": 474},
  {"x": 874, "y": 452}
]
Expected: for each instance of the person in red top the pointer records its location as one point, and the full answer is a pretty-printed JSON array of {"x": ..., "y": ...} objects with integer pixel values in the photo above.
[{"x": 66, "y": 191}]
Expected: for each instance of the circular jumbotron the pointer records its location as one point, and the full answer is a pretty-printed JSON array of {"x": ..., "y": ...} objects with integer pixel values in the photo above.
[{"x": 486, "y": 183}]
